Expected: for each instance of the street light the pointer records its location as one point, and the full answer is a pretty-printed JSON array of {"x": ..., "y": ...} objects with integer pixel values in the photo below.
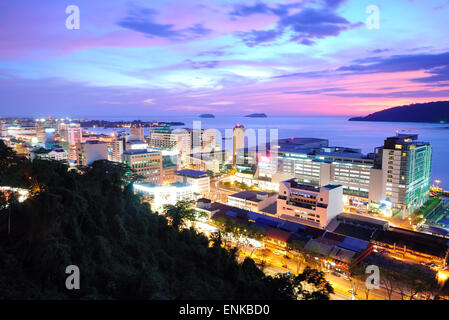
[{"x": 437, "y": 181}]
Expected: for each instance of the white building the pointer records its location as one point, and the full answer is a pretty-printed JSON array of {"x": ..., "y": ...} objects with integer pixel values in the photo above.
[
  {"x": 315, "y": 206},
  {"x": 200, "y": 180},
  {"x": 252, "y": 200},
  {"x": 165, "y": 194},
  {"x": 58, "y": 154}
]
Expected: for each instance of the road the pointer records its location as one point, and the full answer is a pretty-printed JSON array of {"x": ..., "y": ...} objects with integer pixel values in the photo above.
[
  {"x": 275, "y": 264},
  {"x": 217, "y": 193}
]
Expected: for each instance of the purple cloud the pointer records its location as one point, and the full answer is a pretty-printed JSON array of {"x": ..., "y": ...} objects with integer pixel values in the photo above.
[
  {"x": 142, "y": 20},
  {"x": 398, "y": 63},
  {"x": 306, "y": 25}
]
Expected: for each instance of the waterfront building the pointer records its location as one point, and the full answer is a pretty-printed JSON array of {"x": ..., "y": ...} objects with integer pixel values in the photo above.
[{"x": 406, "y": 167}]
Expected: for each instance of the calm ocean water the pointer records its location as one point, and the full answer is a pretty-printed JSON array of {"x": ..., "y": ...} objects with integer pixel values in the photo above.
[{"x": 339, "y": 132}]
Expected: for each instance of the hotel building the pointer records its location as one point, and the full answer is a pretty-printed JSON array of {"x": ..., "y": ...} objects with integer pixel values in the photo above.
[{"x": 406, "y": 166}]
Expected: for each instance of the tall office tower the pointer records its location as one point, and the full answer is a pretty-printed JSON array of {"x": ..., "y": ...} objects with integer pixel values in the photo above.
[
  {"x": 139, "y": 131},
  {"x": 91, "y": 151},
  {"x": 40, "y": 132},
  {"x": 74, "y": 138},
  {"x": 311, "y": 205},
  {"x": 3, "y": 129},
  {"x": 238, "y": 142},
  {"x": 406, "y": 166},
  {"x": 74, "y": 134},
  {"x": 117, "y": 148},
  {"x": 147, "y": 164},
  {"x": 63, "y": 132},
  {"x": 203, "y": 140}
]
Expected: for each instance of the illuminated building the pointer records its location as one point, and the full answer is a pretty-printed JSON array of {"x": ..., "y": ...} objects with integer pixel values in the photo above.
[
  {"x": 315, "y": 206},
  {"x": 406, "y": 166},
  {"x": 200, "y": 180},
  {"x": 74, "y": 134},
  {"x": 252, "y": 200},
  {"x": 168, "y": 171},
  {"x": 166, "y": 194},
  {"x": 74, "y": 138},
  {"x": 55, "y": 153},
  {"x": 179, "y": 140},
  {"x": 147, "y": 164},
  {"x": 238, "y": 142}
]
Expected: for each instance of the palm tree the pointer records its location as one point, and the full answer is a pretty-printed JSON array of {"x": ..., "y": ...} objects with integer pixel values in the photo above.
[{"x": 180, "y": 213}]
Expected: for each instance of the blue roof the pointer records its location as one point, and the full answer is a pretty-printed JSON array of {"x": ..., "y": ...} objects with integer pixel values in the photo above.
[
  {"x": 353, "y": 244},
  {"x": 191, "y": 173},
  {"x": 231, "y": 213},
  {"x": 267, "y": 222},
  {"x": 290, "y": 226}
]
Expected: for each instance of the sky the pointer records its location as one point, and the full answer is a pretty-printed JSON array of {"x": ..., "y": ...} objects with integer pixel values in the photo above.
[{"x": 303, "y": 57}]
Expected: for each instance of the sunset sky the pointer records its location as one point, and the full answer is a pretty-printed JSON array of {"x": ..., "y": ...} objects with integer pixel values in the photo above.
[{"x": 222, "y": 57}]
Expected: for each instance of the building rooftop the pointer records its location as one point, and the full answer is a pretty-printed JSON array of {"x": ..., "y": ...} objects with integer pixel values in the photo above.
[
  {"x": 192, "y": 173},
  {"x": 139, "y": 151},
  {"x": 204, "y": 200},
  {"x": 412, "y": 240},
  {"x": 362, "y": 220},
  {"x": 278, "y": 234},
  {"x": 251, "y": 195}
]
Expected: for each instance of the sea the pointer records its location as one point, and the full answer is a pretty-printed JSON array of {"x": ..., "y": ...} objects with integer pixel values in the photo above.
[{"x": 337, "y": 129}]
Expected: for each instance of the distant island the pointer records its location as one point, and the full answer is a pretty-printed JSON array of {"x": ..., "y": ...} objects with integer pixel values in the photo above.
[
  {"x": 430, "y": 112},
  {"x": 256, "y": 115},
  {"x": 207, "y": 115}
]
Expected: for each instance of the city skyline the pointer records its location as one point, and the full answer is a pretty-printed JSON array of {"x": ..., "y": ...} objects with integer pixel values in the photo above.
[{"x": 169, "y": 58}]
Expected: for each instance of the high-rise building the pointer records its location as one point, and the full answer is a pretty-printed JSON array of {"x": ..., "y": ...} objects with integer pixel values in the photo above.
[
  {"x": 312, "y": 205},
  {"x": 147, "y": 164},
  {"x": 3, "y": 129},
  {"x": 117, "y": 148},
  {"x": 74, "y": 134},
  {"x": 238, "y": 142},
  {"x": 406, "y": 166},
  {"x": 74, "y": 138}
]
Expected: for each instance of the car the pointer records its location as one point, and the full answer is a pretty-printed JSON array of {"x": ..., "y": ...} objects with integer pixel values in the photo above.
[{"x": 276, "y": 253}]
